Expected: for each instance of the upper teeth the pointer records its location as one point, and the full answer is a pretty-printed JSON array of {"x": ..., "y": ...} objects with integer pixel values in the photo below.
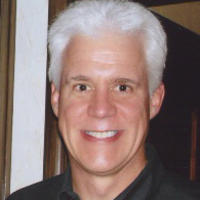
[{"x": 104, "y": 134}]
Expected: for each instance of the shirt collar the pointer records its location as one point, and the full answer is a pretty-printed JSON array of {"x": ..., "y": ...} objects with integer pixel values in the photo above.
[
  {"x": 66, "y": 191},
  {"x": 141, "y": 188},
  {"x": 145, "y": 185}
]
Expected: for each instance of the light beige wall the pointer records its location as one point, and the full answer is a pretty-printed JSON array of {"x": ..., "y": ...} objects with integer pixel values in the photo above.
[
  {"x": 29, "y": 93},
  {"x": 186, "y": 14}
]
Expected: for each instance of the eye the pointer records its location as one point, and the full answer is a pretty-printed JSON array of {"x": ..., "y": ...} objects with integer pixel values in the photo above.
[
  {"x": 81, "y": 87},
  {"x": 123, "y": 88}
]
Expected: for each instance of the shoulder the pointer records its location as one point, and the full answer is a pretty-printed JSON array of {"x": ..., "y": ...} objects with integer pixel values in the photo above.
[
  {"x": 174, "y": 187},
  {"x": 47, "y": 189}
]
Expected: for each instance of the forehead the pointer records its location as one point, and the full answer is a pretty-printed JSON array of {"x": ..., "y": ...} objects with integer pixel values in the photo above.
[
  {"x": 109, "y": 51},
  {"x": 105, "y": 43}
]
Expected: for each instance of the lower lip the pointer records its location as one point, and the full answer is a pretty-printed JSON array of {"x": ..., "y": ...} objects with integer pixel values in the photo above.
[{"x": 94, "y": 139}]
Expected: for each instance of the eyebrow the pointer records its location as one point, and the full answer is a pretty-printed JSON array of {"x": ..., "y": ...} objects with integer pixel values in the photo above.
[
  {"x": 80, "y": 78},
  {"x": 117, "y": 80},
  {"x": 126, "y": 80},
  {"x": 75, "y": 78}
]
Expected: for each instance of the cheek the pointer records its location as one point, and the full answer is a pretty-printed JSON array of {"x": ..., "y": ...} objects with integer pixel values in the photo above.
[
  {"x": 71, "y": 110},
  {"x": 70, "y": 117},
  {"x": 134, "y": 109}
]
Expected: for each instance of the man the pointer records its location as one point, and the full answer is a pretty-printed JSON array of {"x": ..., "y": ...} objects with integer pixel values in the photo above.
[{"x": 107, "y": 60}]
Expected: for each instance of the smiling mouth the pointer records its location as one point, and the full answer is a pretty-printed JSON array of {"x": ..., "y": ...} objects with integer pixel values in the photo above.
[{"x": 102, "y": 134}]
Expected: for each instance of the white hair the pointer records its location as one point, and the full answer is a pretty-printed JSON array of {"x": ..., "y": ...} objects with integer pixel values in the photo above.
[{"x": 88, "y": 16}]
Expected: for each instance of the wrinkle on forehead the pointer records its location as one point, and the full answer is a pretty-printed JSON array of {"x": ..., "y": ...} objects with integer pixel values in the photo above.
[{"x": 105, "y": 57}]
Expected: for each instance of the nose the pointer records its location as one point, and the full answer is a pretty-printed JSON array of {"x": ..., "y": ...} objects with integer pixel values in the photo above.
[{"x": 101, "y": 105}]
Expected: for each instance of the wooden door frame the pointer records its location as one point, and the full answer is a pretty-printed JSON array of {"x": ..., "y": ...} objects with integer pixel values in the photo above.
[
  {"x": 55, "y": 158},
  {"x": 7, "y": 51}
]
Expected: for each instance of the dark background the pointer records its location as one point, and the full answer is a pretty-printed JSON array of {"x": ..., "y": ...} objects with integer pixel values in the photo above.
[{"x": 170, "y": 131}]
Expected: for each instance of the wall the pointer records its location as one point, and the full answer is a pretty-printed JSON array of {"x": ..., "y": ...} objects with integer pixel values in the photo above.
[
  {"x": 185, "y": 14},
  {"x": 29, "y": 93}
]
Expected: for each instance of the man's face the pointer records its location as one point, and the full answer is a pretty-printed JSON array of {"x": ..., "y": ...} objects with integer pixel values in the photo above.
[{"x": 103, "y": 105}]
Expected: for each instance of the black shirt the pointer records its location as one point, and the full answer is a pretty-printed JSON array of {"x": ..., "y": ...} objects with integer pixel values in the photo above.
[{"x": 153, "y": 183}]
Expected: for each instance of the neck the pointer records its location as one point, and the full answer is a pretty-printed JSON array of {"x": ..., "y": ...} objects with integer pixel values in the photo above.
[{"x": 91, "y": 186}]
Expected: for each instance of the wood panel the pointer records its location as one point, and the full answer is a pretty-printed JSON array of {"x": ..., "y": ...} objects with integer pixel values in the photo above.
[
  {"x": 55, "y": 158},
  {"x": 7, "y": 43},
  {"x": 193, "y": 153}
]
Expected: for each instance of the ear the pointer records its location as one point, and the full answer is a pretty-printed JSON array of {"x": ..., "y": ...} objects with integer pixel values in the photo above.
[
  {"x": 156, "y": 100},
  {"x": 54, "y": 99}
]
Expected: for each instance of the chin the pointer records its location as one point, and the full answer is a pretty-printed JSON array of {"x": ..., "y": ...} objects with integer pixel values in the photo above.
[{"x": 101, "y": 167}]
